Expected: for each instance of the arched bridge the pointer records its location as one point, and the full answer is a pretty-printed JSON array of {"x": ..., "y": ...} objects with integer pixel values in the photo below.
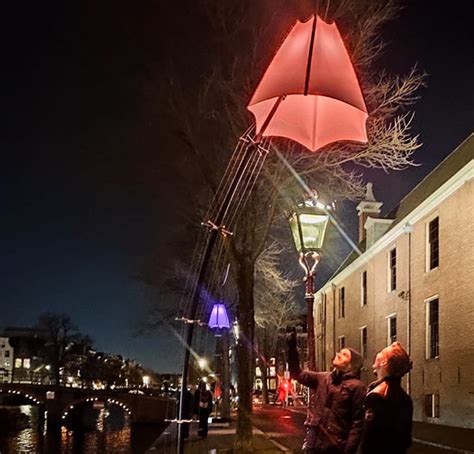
[{"x": 60, "y": 401}]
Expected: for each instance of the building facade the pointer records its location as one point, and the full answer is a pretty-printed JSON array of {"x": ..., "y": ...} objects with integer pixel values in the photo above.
[
  {"x": 6, "y": 360},
  {"x": 413, "y": 281}
]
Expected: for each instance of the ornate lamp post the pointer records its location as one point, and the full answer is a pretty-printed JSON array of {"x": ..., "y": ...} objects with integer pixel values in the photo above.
[{"x": 308, "y": 224}]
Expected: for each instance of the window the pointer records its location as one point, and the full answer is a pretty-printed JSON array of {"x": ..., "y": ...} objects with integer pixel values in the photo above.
[
  {"x": 391, "y": 329},
  {"x": 18, "y": 363},
  {"x": 432, "y": 328},
  {"x": 26, "y": 363},
  {"x": 341, "y": 342},
  {"x": 363, "y": 284},
  {"x": 321, "y": 305},
  {"x": 7, "y": 353},
  {"x": 392, "y": 265},
  {"x": 342, "y": 302},
  {"x": 432, "y": 405},
  {"x": 433, "y": 244},
  {"x": 363, "y": 341}
]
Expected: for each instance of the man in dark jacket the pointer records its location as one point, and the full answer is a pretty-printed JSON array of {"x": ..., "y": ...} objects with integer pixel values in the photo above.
[
  {"x": 388, "y": 408},
  {"x": 335, "y": 415}
]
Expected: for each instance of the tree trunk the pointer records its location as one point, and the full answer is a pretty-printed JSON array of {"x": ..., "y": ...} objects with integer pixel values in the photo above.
[
  {"x": 264, "y": 357},
  {"x": 225, "y": 409},
  {"x": 245, "y": 356}
]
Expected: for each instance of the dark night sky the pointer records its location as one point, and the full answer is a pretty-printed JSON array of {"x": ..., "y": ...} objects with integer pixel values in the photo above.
[{"x": 84, "y": 193}]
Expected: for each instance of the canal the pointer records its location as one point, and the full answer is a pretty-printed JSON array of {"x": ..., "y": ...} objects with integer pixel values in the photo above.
[{"x": 87, "y": 430}]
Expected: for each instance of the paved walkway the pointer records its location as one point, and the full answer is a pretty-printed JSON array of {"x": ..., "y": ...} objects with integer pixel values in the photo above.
[
  {"x": 428, "y": 438},
  {"x": 220, "y": 440}
]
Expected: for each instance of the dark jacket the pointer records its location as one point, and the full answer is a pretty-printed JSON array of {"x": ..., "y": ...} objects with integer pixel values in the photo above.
[
  {"x": 334, "y": 409},
  {"x": 202, "y": 402},
  {"x": 387, "y": 420}
]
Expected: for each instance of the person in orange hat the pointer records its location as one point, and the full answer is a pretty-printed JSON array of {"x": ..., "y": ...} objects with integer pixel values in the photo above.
[{"x": 388, "y": 409}]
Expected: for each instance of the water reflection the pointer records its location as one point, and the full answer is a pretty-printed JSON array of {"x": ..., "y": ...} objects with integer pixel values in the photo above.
[
  {"x": 18, "y": 433},
  {"x": 89, "y": 431},
  {"x": 98, "y": 431}
]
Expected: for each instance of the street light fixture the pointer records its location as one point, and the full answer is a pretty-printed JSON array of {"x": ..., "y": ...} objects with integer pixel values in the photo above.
[
  {"x": 219, "y": 320},
  {"x": 219, "y": 323},
  {"x": 308, "y": 224}
]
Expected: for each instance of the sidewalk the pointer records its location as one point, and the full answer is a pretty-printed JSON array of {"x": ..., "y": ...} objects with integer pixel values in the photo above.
[
  {"x": 455, "y": 438},
  {"x": 220, "y": 440}
]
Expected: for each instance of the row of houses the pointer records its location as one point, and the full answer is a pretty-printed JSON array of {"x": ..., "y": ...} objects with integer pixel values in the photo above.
[
  {"x": 413, "y": 281},
  {"x": 25, "y": 357}
]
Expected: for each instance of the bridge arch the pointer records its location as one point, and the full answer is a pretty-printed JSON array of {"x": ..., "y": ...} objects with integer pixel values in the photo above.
[
  {"x": 108, "y": 400},
  {"x": 15, "y": 392}
]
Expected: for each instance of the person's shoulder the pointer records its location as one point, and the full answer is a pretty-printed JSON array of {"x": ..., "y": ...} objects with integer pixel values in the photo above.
[{"x": 380, "y": 390}]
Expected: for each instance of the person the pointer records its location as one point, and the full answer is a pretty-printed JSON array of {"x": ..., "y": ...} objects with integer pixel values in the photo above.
[
  {"x": 187, "y": 411},
  {"x": 202, "y": 408},
  {"x": 388, "y": 409},
  {"x": 334, "y": 417}
]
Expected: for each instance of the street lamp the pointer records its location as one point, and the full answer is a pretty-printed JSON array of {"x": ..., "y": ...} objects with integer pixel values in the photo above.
[
  {"x": 219, "y": 323},
  {"x": 219, "y": 320},
  {"x": 308, "y": 224}
]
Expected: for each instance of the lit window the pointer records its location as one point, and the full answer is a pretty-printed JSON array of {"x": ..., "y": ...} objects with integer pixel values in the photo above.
[
  {"x": 392, "y": 264},
  {"x": 432, "y": 405},
  {"x": 432, "y": 329},
  {"x": 26, "y": 363},
  {"x": 433, "y": 244},
  {"x": 363, "y": 285},
  {"x": 342, "y": 302},
  {"x": 363, "y": 341},
  {"x": 18, "y": 363},
  {"x": 341, "y": 342},
  {"x": 391, "y": 329}
]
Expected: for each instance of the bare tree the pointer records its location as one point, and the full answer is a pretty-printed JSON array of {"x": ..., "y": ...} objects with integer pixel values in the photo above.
[
  {"x": 61, "y": 336},
  {"x": 275, "y": 306}
]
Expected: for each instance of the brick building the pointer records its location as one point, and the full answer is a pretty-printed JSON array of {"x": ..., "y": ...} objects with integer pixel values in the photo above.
[{"x": 413, "y": 281}]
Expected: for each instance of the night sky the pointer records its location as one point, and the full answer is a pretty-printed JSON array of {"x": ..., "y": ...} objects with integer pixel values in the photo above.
[{"x": 85, "y": 191}]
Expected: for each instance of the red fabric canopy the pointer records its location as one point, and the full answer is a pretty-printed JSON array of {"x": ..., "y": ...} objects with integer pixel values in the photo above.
[{"x": 310, "y": 92}]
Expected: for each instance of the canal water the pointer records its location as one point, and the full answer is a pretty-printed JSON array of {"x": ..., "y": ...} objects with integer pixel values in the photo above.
[{"x": 88, "y": 431}]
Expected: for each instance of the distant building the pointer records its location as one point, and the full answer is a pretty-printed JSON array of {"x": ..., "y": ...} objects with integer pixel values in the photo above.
[
  {"x": 6, "y": 360},
  {"x": 413, "y": 282},
  {"x": 28, "y": 365}
]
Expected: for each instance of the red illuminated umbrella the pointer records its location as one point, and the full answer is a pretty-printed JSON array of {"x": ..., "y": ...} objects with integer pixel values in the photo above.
[{"x": 310, "y": 92}]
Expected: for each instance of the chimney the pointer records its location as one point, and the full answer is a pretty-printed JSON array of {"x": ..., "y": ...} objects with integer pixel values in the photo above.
[{"x": 367, "y": 207}]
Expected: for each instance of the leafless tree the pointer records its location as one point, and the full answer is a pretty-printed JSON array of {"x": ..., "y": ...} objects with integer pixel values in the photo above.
[{"x": 275, "y": 306}]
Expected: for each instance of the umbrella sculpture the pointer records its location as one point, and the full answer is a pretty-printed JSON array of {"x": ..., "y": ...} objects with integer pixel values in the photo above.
[{"x": 309, "y": 94}]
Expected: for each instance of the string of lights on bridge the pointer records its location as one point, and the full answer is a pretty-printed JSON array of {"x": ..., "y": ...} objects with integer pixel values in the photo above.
[
  {"x": 95, "y": 399},
  {"x": 18, "y": 393}
]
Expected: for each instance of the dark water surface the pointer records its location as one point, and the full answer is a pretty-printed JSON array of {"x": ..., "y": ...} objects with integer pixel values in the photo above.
[{"x": 90, "y": 431}]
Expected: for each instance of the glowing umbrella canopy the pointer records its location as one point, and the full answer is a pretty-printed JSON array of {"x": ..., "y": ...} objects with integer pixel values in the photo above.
[
  {"x": 219, "y": 319},
  {"x": 310, "y": 92}
]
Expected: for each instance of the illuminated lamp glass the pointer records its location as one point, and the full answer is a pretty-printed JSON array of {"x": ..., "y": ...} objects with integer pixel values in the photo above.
[{"x": 218, "y": 319}]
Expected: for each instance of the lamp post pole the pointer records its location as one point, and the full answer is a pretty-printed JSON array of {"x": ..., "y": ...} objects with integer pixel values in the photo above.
[
  {"x": 308, "y": 223},
  {"x": 309, "y": 299}
]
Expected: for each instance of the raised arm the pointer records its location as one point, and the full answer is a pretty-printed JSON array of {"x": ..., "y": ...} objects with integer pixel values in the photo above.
[{"x": 305, "y": 377}]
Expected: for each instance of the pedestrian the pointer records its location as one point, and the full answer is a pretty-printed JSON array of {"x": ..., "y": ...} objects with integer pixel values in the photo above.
[
  {"x": 202, "y": 408},
  {"x": 335, "y": 415},
  {"x": 388, "y": 409},
  {"x": 187, "y": 411}
]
